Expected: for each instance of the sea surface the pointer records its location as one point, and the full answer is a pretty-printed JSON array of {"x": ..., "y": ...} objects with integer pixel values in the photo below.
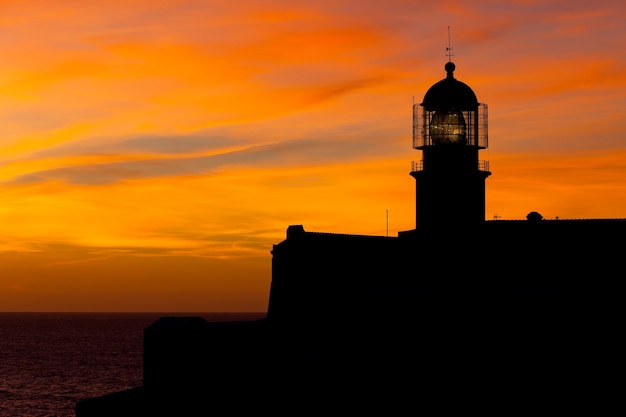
[{"x": 50, "y": 361}]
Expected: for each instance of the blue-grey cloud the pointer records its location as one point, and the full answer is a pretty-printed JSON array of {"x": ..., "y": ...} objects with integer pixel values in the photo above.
[
  {"x": 150, "y": 144},
  {"x": 281, "y": 154}
]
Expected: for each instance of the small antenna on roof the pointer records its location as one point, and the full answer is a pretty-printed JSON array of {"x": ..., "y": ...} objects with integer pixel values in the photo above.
[{"x": 449, "y": 48}]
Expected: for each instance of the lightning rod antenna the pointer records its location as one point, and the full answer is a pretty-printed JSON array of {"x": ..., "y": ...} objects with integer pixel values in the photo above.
[{"x": 449, "y": 47}]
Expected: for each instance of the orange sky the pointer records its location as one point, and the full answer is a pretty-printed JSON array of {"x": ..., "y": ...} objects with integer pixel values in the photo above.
[{"x": 152, "y": 152}]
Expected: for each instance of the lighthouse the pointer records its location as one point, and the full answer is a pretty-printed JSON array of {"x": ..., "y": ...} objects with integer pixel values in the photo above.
[{"x": 449, "y": 128}]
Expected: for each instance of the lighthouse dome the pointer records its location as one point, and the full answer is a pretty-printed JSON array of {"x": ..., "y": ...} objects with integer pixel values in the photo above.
[{"x": 450, "y": 94}]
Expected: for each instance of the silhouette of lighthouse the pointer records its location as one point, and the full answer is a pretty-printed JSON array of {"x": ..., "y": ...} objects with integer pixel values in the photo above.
[{"x": 450, "y": 128}]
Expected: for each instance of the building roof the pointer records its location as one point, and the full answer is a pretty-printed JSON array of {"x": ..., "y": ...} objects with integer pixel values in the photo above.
[{"x": 450, "y": 93}]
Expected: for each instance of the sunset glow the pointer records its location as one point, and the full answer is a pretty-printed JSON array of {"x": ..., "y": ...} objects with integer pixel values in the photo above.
[{"x": 152, "y": 152}]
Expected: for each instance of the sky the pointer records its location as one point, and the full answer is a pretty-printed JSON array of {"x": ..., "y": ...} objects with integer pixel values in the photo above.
[{"x": 153, "y": 151}]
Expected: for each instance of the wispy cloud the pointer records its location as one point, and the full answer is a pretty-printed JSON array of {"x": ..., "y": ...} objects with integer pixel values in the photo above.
[{"x": 287, "y": 153}]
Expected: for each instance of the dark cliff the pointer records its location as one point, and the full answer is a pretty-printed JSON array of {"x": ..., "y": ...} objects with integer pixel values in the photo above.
[{"x": 523, "y": 310}]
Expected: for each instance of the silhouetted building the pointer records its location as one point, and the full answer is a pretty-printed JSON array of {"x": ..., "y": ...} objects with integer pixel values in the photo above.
[{"x": 459, "y": 312}]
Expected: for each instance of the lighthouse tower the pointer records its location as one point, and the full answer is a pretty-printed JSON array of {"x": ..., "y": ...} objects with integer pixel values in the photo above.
[{"x": 450, "y": 128}]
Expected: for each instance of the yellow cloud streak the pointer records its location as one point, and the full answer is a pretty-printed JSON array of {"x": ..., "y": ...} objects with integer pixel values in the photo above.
[
  {"x": 199, "y": 212},
  {"x": 33, "y": 141}
]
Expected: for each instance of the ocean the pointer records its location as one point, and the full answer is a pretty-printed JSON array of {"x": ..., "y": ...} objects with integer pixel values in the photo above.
[{"x": 50, "y": 361}]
